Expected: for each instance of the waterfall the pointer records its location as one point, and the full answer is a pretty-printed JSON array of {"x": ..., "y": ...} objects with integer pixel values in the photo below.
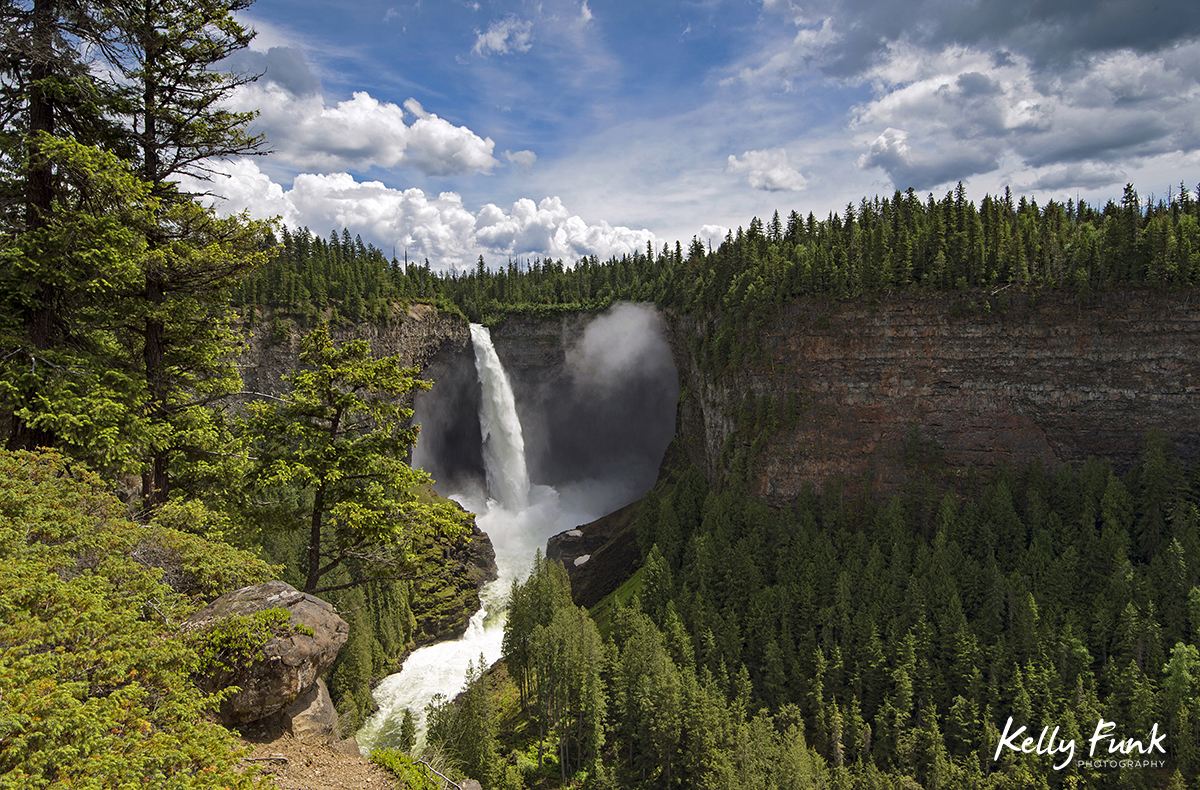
[
  {"x": 620, "y": 352},
  {"x": 518, "y": 519},
  {"x": 503, "y": 445}
]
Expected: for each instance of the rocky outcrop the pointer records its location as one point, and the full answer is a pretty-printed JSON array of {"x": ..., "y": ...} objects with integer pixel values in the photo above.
[
  {"x": 987, "y": 378},
  {"x": 416, "y": 336},
  {"x": 311, "y": 715},
  {"x": 289, "y": 665},
  {"x": 444, "y": 603},
  {"x": 598, "y": 556}
]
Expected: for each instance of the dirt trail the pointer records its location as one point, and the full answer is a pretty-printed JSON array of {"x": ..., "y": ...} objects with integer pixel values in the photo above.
[{"x": 311, "y": 764}]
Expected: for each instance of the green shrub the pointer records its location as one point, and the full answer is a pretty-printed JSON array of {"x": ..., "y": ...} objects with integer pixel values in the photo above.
[
  {"x": 236, "y": 642},
  {"x": 191, "y": 564},
  {"x": 94, "y": 677},
  {"x": 404, "y": 768}
]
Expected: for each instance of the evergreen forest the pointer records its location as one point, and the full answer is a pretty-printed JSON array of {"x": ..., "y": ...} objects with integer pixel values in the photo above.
[
  {"x": 852, "y": 643},
  {"x": 880, "y": 246},
  {"x": 838, "y": 642}
]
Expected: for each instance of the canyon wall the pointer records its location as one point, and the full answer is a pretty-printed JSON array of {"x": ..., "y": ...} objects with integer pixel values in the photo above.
[
  {"x": 984, "y": 378},
  {"x": 1051, "y": 377},
  {"x": 272, "y": 349}
]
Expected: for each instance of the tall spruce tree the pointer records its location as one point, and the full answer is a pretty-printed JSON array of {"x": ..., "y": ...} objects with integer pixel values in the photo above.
[
  {"x": 173, "y": 89},
  {"x": 115, "y": 282},
  {"x": 48, "y": 93}
]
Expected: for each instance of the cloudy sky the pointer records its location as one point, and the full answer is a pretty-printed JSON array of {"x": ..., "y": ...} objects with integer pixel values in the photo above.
[{"x": 452, "y": 128}]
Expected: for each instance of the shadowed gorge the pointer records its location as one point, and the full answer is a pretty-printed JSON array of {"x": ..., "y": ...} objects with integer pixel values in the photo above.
[
  {"x": 587, "y": 407},
  {"x": 596, "y": 396}
]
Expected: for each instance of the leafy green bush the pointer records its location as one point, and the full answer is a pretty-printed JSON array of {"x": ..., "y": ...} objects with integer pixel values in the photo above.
[
  {"x": 191, "y": 564},
  {"x": 236, "y": 642},
  {"x": 94, "y": 678},
  {"x": 404, "y": 768}
]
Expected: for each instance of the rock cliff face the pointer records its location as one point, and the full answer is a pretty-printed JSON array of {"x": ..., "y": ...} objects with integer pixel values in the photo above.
[
  {"x": 417, "y": 338},
  {"x": 445, "y": 602},
  {"x": 1052, "y": 378}
]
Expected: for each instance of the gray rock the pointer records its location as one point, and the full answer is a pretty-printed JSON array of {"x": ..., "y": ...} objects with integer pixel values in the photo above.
[
  {"x": 290, "y": 665},
  {"x": 348, "y": 746},
  {"x": 312, "y": 715}
]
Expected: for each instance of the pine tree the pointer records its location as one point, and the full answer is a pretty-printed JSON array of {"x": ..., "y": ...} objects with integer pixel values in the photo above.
[
  {"x": 49, "y": 95},
  {"x": 339, "y": 437},
  {"x": 97, "y": 154},
  {"x": 173, "y": 93}
]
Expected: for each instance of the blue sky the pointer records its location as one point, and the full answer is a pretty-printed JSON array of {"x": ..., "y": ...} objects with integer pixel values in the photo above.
[{"x": 562, "y": 128}]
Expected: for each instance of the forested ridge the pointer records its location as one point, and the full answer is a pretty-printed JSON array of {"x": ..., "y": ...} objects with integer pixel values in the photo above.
[{"x": 880, "y": 245}]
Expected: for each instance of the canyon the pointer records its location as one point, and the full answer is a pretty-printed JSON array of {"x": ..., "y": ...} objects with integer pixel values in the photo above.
[
  {"x": 1005, "y": 381},
  {"x": 984, "y": 379}
]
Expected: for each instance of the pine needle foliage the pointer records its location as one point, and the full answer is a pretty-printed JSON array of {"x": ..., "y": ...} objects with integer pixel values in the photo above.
[
  {"x": 331, "y": 461},
  {"x": 95, "y": 688}
]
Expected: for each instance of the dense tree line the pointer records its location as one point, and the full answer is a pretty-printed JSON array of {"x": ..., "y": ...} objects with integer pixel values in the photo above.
[
  {"x": 853, "y": 643},
  {"x": 880, "y": 245},
  {"x": 339, "y": 279}
]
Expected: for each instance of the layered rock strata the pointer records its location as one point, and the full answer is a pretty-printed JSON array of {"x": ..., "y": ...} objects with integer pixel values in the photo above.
[{"x": 988, "y": 378}]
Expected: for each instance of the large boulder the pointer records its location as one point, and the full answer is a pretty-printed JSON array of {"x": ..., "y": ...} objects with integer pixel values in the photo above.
[
  {"x": 312, "y": 715},
  {"x": 287, "y": 665}
]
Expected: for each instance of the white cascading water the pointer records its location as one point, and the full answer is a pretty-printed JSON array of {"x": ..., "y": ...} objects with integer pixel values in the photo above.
[
  {"x": 503, "y": 443},
  {"x": 518, "y": 519}
]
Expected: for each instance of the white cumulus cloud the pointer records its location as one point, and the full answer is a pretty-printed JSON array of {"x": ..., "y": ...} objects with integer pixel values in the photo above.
[
  {"x": 551, "y": 230},
  {"x": 363, "y": 132},
  {"x": 439, "y": 228},
  {"x": 768, "y": 170},
  {"x": 522, "y": 159},
  {"x": 713, "y": 234}
]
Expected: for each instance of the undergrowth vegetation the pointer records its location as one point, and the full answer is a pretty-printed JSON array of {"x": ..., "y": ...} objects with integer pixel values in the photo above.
[{"x": 95, "y": 675}]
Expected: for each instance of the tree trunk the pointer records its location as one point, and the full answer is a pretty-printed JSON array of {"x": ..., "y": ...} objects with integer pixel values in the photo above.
[
  {"x": 39, "y": 317},
  {"x": 314, "y": 542},
  {"x": 155, "y": 483},
  {"x": 39, "y": 186}
]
